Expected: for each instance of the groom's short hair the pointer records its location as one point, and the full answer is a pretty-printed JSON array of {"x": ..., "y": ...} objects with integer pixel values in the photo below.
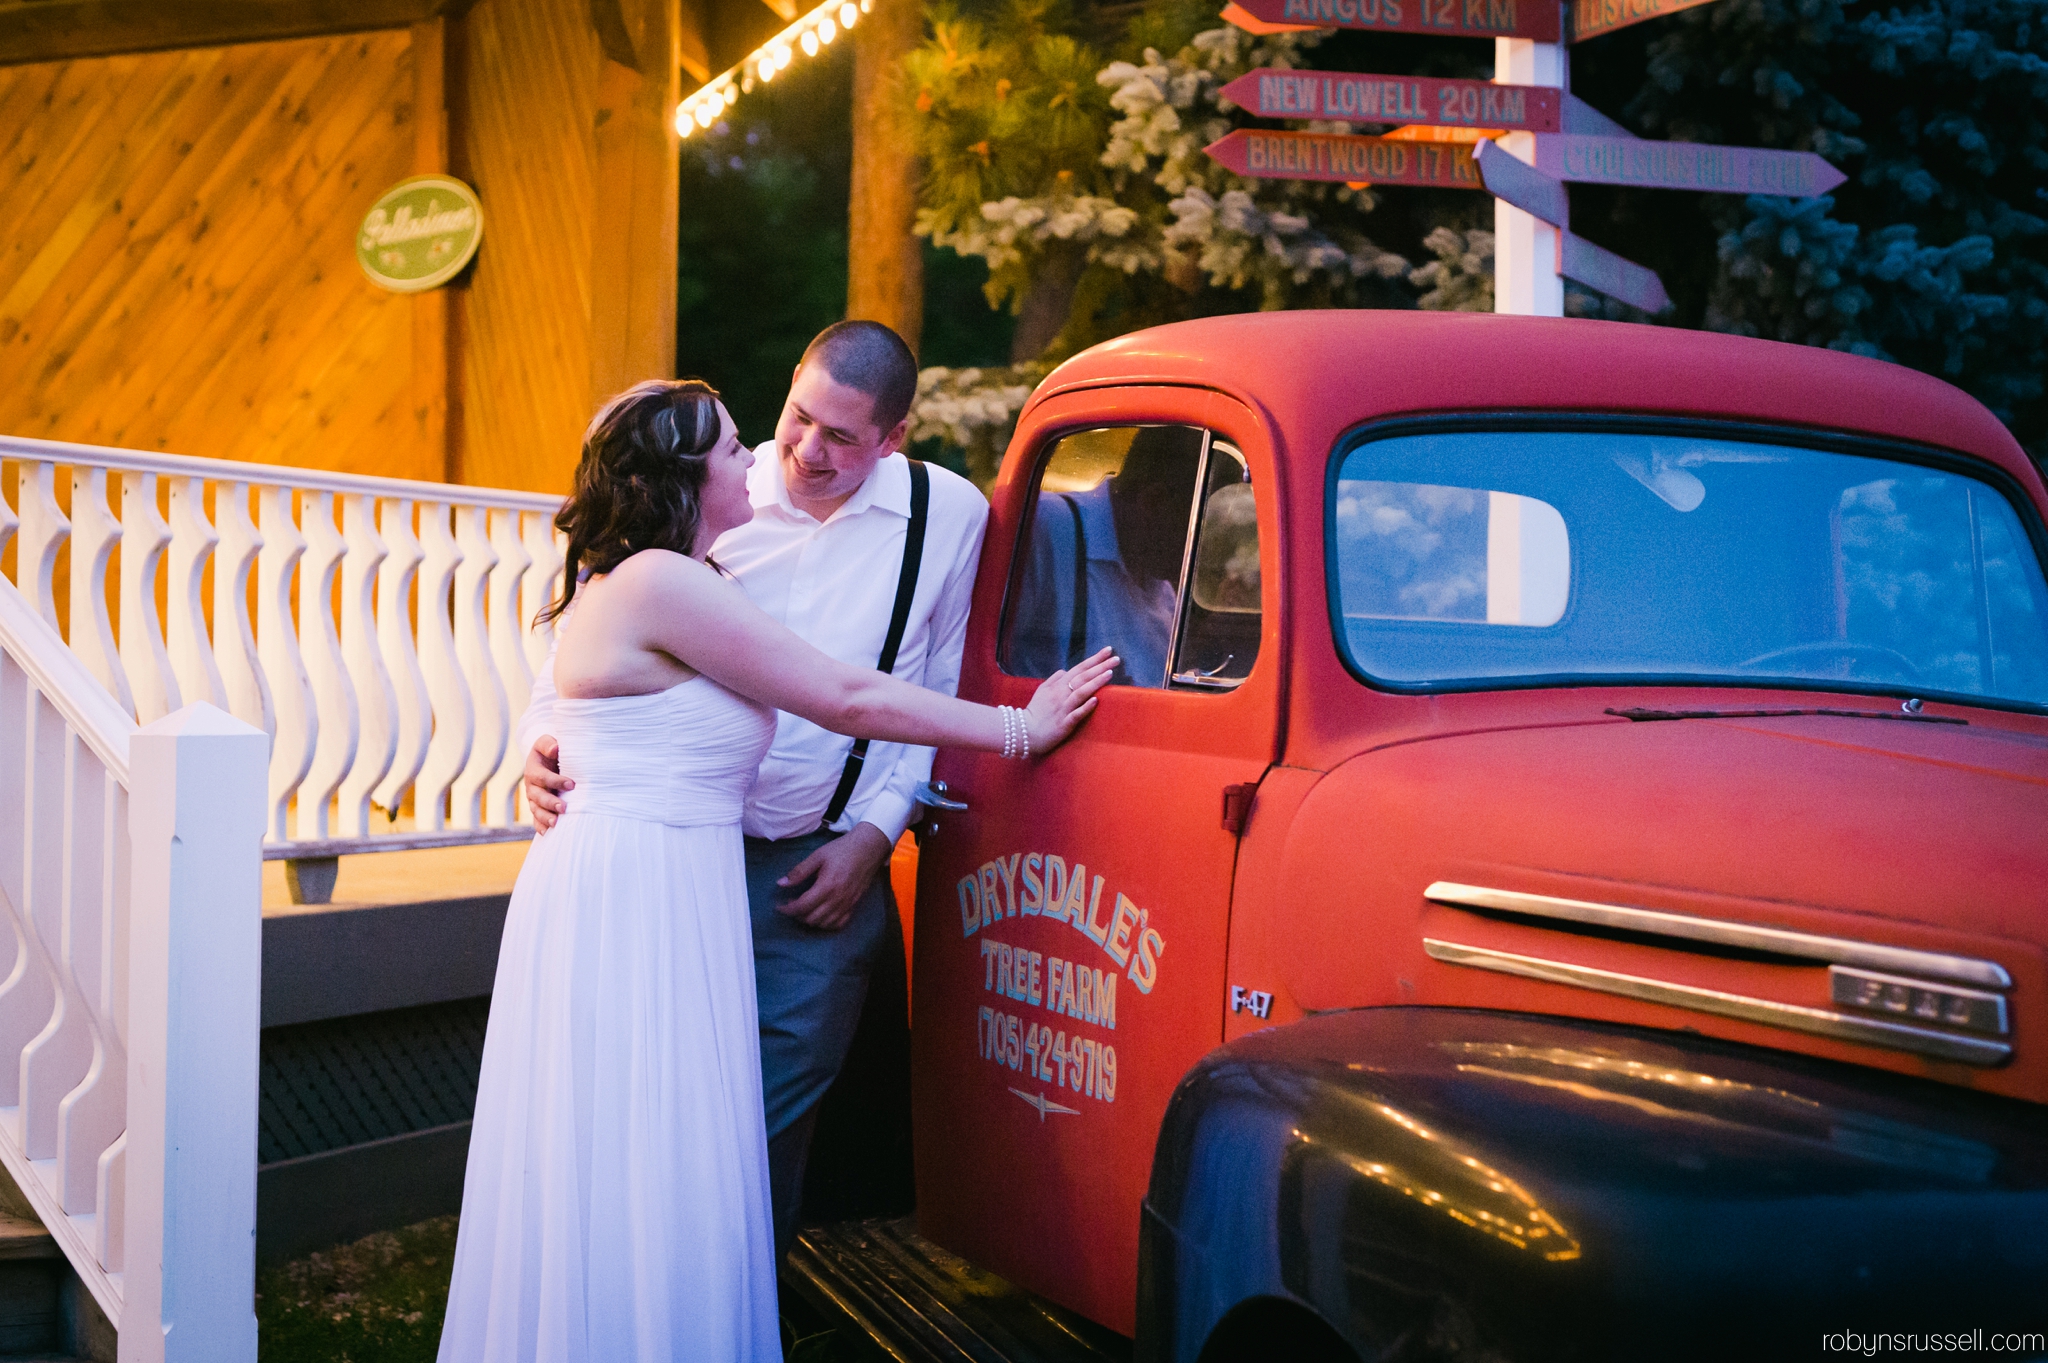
[{"x": 872, "y": 358}]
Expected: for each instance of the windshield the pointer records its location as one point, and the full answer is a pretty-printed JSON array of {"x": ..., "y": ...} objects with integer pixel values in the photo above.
[{"x": 1556, "y": 555}]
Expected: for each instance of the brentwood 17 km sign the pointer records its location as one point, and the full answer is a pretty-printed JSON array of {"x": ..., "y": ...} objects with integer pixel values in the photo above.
[
  {"x": 1337, "y": 156},
  {"x": 1395, "y": 99},
  {"x": 1538, "y": 19}
]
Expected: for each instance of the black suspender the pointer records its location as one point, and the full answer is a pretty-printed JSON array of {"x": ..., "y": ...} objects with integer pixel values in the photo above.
[
  {"x": 1077, "y": 634},
  {"x": 906, "y": 587}
]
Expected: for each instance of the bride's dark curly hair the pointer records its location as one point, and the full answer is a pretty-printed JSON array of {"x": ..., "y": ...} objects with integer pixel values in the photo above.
[{"x": 639, "y": 481}]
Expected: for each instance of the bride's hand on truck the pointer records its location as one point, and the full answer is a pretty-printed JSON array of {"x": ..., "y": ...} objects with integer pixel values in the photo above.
[{"x": 1066, "y": 698}]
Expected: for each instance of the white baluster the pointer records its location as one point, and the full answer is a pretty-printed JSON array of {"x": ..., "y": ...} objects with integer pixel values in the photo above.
[
  {"x": 144, "y": 533},
  {"x": 9, "y": 522},
  {"x": 94, "y": 533},
  {"x": 335, "y": 721},
  {"x": 15, "y": 751},
  {"x": 376, "y": 703},
  {"x": 192, "y": 543},
  {"x": 415, "y": 709},
  {"x": 454, "y": 711},
  {"x": 284, "y": 669},
  {"x": 27, "y": 999},
  {"x": 479, "y": 671},
  {"x": 43, "y": 532},
  {"x": 113, "y": 1204},
  {"x": 508, "y": 651},
  {"x": 93, "y": 1113},
  {"x": 234, "y": 641},
  {"x": 543, "y": 584},
  {"x": 54, "y": 1063}
]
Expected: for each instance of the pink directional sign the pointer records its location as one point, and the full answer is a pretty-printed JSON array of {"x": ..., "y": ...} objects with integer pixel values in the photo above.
[
  {"x": 1538, "y": 19},
  {"x": 1591, "y": 18},
  {"x": 1395, "y": 99},
  {"x": 1335, "y": 156},
  {"x": 1683, "y": 165},
  {"x": 1601, "y": 269}
]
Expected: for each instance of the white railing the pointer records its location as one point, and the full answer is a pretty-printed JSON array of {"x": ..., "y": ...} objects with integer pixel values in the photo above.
[
  {"x": 386, "y": 654},
  {"x": 130, "y": 993}
]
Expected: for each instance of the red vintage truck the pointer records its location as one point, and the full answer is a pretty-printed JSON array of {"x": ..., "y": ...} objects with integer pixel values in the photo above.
[{"x": 1564, "y": 875}]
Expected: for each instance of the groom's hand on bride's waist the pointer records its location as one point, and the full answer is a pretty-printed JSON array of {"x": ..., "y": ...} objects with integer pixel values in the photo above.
[
  {"x": 545, "y": 782},
  {"x": 840, "y": 873}
]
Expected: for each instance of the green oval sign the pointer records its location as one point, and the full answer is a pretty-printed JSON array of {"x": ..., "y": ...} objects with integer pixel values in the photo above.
[{"x": 420, "y": 233}]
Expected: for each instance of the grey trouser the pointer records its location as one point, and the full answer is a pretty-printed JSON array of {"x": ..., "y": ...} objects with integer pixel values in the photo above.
[{"x": 810, "y": 985}]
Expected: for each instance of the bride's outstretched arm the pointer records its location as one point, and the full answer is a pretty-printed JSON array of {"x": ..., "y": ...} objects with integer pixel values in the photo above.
[{"x": 707, "y": 623}]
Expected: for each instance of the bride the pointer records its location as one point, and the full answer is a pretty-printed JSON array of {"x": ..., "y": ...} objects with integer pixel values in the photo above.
[{"x": 615, "y": 1206}]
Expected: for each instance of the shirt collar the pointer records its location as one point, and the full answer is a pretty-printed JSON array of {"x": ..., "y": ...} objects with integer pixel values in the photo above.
[{"x": 887, "y": 488}]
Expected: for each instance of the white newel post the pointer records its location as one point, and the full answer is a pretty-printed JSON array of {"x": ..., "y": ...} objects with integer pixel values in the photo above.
[
  {"x": 1525, "y": 248},
  {"x": 196, "y": 816}
]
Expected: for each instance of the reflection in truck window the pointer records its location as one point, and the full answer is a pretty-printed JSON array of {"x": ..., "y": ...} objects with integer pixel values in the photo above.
[
  {"x": 1219, "y": 635},
  {"x": 1115, "y": 531},
  {"x": 1453, "y": 553},
  {"x": 1106, "y": 543},
  {"x": 1668, "y": 556}
]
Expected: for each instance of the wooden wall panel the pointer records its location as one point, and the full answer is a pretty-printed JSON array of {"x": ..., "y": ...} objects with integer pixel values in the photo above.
[
  {"x": 526, "y": 138},
  {"x": 177, "y": 265}
]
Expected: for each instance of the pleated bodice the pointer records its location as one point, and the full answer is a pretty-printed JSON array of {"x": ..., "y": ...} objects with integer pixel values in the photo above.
[{"x": 682, "y": 757}]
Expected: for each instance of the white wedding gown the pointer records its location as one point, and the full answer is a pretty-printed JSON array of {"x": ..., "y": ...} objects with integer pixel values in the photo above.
[{"x": 615, "y": 1208}]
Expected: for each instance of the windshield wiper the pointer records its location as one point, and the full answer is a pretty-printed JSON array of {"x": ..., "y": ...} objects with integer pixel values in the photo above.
[{"x": 1642, "y": 716}]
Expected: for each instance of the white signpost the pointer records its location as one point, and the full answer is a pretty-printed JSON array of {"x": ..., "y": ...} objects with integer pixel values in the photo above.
[{"x": 1542, "y": 136}]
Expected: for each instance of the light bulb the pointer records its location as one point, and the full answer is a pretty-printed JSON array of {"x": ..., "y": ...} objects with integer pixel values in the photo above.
[
  {"x": 731, "y": 96},
  {"x": 705, "y": 115},
  {"x": 767, "y": 70},
  {"x": 826, "y": 32},
  {"x": 810, "y": 41},
  {"x": 867, "y": 6},
  {"x": 684, "y": 127},
  {"x": 847, "y": 14}
]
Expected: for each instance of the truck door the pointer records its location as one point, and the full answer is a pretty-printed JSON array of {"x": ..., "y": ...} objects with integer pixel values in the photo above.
[{"x": 1070, "y": 946}]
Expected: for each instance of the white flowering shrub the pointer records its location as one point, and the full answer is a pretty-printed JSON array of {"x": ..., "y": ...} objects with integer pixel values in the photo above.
[{"x": 973, "y": 410}]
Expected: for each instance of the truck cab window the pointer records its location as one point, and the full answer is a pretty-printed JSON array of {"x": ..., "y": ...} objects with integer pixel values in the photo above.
[
  {"x": 1112, "y": 538},
  {"x": 1219, "y": 634}
]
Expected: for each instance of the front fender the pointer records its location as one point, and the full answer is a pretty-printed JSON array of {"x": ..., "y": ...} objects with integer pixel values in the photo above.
[{"x": 1444, "y": 1183}]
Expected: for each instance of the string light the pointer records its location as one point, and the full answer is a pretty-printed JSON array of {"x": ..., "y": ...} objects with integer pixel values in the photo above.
[{"x": 810, "y": 32}]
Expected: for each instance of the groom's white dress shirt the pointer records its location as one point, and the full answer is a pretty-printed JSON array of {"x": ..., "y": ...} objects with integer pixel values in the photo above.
[{"x": 834, "y": 584}]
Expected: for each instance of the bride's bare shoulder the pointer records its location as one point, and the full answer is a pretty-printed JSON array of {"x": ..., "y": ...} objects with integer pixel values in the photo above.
[{"x": 667, "y": 576}]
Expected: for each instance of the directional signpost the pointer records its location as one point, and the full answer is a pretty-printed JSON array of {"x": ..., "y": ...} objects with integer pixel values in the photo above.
[
  {"x": 1591, "y": 18},
  {"x": 1395, "y": 99},
  {"x": 1540, "y": 20},
  {"x": 1684, "y": 165},
  {"x": 1546, "y": 137},
  {"x": 1336, "y": 156}
]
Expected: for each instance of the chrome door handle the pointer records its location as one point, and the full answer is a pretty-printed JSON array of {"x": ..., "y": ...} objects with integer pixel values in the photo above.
[{"x": 933, "y": 793}]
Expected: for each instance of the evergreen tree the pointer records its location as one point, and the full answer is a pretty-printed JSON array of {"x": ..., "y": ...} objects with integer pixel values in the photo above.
[{"x": 1934, "y": 254}]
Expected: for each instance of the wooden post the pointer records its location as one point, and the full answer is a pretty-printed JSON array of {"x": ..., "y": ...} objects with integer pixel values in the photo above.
[
  {"x": 636, "y": 186},
  {"x": 885, "y": 263},
  {"x": 195, "y": 962},
  {"x": 1526, "y": 249},
  {"x": 430, "y": 395}
]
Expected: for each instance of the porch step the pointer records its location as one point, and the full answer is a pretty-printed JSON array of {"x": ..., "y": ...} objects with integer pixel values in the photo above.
[
  {"x": 914, "y": 1302},
  {"x": 46, "y": 1314}
]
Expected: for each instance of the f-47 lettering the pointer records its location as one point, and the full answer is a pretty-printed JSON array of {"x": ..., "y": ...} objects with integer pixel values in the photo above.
[{"x": 1257, "y": 1002}]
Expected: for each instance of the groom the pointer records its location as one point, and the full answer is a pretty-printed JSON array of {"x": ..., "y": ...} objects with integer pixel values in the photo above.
[{"x": 851, "y": 546}]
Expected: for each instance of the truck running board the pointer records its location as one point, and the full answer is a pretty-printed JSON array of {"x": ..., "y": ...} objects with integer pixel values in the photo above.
[{"x": 882, "y": 1281}]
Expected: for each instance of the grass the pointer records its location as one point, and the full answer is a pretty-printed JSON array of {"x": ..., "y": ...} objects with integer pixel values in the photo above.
[{"x": 381, "y": 1300}]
